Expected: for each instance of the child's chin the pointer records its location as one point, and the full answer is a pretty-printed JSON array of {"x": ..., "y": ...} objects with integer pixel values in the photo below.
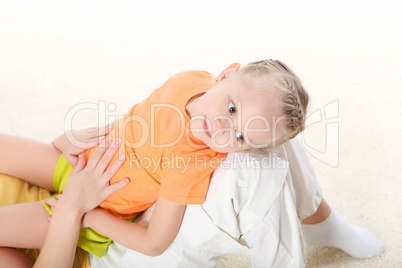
[{"x": 220, "y": 150}]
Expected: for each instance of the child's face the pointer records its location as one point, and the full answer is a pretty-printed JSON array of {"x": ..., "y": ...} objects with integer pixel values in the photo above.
[{"x": 235, "y": 115}]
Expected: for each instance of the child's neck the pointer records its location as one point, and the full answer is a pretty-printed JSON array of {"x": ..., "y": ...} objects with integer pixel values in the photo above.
[{"x": 191, "y": 106}]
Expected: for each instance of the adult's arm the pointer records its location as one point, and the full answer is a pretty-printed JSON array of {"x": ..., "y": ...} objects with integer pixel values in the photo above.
[{"x": 87, "y": 187}]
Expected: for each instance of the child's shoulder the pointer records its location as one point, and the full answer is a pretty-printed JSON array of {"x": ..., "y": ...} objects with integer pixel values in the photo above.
[
  {"x": 188, "y": 81},
  {"x": 192, "y": 75}
]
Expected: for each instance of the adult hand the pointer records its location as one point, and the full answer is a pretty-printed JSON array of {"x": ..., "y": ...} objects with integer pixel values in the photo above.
[
  {"x": 88, "y": 185},
  {"x": 74, "y": 142}
]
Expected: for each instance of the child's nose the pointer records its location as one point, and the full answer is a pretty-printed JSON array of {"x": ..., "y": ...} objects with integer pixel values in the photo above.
[{"x": 223, "y": 124}]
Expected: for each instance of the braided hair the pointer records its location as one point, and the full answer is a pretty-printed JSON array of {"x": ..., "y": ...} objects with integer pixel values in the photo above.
[{"x": 295, "y": 97}]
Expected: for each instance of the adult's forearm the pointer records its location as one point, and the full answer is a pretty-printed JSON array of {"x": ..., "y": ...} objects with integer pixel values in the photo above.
[{"x": 61, "y": 240}]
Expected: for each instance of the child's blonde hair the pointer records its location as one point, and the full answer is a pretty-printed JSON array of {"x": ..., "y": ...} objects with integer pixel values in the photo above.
[{"x": 295, "y": 99}]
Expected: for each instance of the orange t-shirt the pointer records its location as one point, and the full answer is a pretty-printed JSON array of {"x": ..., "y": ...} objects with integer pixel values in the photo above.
[{"x": 162, "y": 156}]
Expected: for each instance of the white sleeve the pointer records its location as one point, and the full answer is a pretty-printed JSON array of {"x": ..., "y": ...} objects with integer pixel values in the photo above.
[
  {"x": 276, "y": 241},
  {"x": 302, "y": 180}
]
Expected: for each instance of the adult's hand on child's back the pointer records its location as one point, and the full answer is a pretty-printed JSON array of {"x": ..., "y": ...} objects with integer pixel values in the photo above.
[
  {"x": 74, "y": 142},
  {"x": 88, "y": 185}
]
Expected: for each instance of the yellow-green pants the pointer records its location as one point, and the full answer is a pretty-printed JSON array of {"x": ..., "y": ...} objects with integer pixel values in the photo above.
[{"x": 89, "y": 239}]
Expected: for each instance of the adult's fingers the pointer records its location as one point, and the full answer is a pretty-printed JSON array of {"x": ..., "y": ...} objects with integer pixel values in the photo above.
[
  {"x": 112, "y": 170},
  {"x": 96, "y": 132},
  {"x": 51, "y": 201},
  {"x": 102, "y": 131},
  {"x": 97, "y": 156},
  {"x": 117, "y": 186},
  {"x": 72, "y": 159},
  {"x": 108, "y": 156},
  {"x": 80, "y": 165},
  {"x": 93, "y": 142}
]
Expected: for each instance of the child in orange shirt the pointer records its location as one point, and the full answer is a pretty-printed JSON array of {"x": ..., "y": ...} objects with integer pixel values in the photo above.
[{"x": 172, "y": 142}]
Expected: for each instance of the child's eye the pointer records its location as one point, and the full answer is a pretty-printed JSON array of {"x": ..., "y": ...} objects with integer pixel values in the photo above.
[
  {"x": 239, "y": 136},
  {"x": 232, "y": 108}
]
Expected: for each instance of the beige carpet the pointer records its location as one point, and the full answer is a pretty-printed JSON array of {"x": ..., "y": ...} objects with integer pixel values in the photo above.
[{"x": 62, "y": 62}]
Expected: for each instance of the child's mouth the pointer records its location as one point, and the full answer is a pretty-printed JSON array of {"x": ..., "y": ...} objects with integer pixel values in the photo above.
[{"x": 206, "y": 127}]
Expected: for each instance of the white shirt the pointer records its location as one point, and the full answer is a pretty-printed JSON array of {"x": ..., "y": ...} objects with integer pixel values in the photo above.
[{"x": 249, "y": 210}]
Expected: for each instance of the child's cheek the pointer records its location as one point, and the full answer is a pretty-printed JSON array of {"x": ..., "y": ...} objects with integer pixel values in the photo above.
[{"x": 223, "y": 143}]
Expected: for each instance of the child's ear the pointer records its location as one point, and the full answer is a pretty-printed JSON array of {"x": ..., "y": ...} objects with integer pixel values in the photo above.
[{"x": 234, "y": 67}]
